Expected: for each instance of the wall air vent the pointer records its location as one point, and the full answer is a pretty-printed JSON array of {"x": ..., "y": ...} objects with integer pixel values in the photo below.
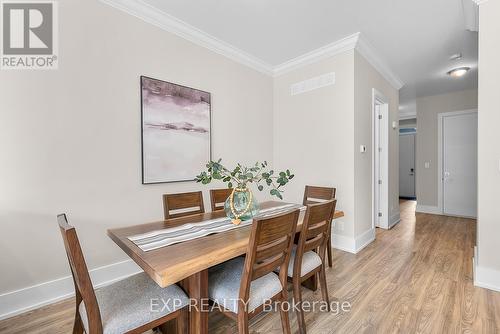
[{"x": 308, "y": 85}]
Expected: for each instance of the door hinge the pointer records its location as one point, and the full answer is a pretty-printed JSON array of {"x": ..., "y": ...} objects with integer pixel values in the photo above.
[
  {"x": 379, "y": 181},
  {"x": 380, "y": 214},
  {"x": 379, "y": 116},
  {"x": 380, "y": 149}
]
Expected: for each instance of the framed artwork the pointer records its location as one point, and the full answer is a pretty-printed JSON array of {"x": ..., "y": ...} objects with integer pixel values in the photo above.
[{"x": 176, "y": 131}]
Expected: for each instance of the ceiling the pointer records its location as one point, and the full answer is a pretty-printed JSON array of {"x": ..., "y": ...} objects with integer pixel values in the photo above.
[{"x": 415, "y": 38}]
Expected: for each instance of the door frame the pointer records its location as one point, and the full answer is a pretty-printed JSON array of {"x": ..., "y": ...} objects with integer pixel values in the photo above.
[
  {"x": 380, "y": 159},
  {"x": 440, "y": 180}
]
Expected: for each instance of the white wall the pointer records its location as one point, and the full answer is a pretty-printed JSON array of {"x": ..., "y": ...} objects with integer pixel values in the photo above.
[
  {"x": 318, "y": 133},
  {"x": 70, "y": 138},
  {"x": 367, "y": 78},
  {"x": 488, "y": 260},
  {"x": 428, "y": 109},
  {"x": 313, "y": 133}
]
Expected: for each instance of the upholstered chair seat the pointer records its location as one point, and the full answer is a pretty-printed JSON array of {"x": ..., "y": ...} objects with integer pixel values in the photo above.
[
  {"x": 133, "y": 302},
  {"x": 224, "y": 286},
  {"x": 310, "y": 261}
]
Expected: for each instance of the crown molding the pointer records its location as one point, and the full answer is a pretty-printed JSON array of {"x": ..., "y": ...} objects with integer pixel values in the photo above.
[
  {"x": 186, "y": 31},
  {"x": 329, "y": 50},
  {"x": 371, "y": 55},
  {"x": 479, "y": 2},
  {"x": 182, "y": 29}
]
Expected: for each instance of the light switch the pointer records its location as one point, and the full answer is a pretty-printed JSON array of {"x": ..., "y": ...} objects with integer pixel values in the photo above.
[
  {"x": 427, "y": 164},
  {"x": 362, "y": 148}
]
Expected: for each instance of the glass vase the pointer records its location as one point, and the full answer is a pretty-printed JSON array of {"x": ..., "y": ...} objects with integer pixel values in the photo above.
[{"x": 242, "y": 209}]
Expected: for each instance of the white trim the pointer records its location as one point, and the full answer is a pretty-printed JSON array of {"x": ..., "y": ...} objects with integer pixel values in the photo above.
[
  {"x": 380, "y": 100},
  {"x": 486, "y": 277},
  {"x": 345, "y": 44},
  {"x": 182, "y": 29},
  {"x": 407, "y": 115},
  {"x": 440, "y": 152},
  {"x": 353, "y": 245},
  {"x": 364, "y": 240},
  {"x": 480, "y": 2},
  {"x": 372, "y": 56},
  {"x": 394, "y": 219},
  {"x": 29, "y": 298},
  {"x": 344, "y": 243},
  {"x": 428, "y": 209},
  {"x": 167, "y": 22}
]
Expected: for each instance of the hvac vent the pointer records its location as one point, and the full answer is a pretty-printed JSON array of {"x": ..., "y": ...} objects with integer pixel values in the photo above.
[{"x": 308, "y": 85}]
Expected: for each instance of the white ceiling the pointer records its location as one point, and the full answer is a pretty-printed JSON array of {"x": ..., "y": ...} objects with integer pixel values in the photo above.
[{"x": 415, "y": 38}]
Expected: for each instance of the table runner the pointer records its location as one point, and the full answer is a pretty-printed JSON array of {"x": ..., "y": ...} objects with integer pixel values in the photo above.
[{"x": 169, "y": 236}]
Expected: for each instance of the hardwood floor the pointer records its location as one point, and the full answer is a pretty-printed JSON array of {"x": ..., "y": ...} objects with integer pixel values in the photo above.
[{"x": 415, "y": 278}]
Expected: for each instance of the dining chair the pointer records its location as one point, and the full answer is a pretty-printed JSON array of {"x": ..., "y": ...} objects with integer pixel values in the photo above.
[
  {"x": 308, "y": 256},
  {"x": 218, "y": 198},
  {"x": 183, "y": 204},
  {"x": 241, "y": 286},
  {"x": 124, "y": 306},
  {"x": 315, "y": 194}
]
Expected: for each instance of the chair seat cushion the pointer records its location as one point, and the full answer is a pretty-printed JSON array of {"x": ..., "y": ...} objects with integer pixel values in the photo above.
[
  {"x": 224, "y": 286},
  {"x": 310, "y": 261},
  {"x": 133, "y": 302}
]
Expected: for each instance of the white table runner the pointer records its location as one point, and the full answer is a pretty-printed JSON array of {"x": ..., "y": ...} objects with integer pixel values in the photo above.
[{"x": 169, "y": 236}]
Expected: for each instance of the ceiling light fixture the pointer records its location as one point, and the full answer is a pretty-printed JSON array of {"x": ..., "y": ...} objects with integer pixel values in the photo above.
[{"x": 458, "y": 72}]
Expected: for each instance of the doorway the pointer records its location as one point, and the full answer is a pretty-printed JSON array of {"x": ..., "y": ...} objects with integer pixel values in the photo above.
[
  {"x": 457, "y": 163},
  {"x": 407, "y": 140},
  {"x": 380, "y": 160}
]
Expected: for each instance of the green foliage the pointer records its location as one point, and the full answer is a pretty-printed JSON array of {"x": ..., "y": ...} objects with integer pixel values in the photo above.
[{"x": 241, "y": 176}]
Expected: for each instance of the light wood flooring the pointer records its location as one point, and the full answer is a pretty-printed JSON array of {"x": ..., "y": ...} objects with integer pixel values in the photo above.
[{"x": 414, "y": 278}]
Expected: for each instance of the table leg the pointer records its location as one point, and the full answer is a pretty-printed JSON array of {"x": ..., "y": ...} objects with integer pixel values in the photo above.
[{"x": 196, "y": 286}]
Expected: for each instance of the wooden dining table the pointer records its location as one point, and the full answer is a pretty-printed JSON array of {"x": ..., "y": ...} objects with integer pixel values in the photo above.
[{"x": 187, "y": 263}]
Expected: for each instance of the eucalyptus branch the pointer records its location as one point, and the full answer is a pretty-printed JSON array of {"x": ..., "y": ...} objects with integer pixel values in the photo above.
[{"x": 242, "y": 175}]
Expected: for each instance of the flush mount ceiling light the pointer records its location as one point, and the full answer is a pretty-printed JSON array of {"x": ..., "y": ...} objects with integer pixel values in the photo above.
[{"x": 458, "y": 72}]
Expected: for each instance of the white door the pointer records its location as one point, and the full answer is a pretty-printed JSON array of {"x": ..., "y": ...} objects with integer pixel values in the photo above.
[
  {"x": 381, "y": 164},
  {"x": 460, "y": 164},
  {"x": 407, "y": 165}
]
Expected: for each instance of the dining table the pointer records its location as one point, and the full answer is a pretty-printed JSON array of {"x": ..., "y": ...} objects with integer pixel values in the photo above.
[{"x": 187, "y": 263}]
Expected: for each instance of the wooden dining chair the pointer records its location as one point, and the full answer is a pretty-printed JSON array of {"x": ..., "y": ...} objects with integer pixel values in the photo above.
[
  {"x": 183, "y": 204},
  {"x": 124, "y": 306},
  {"x": 218, "y": 198},
  {"x": 308, "y": 256},
  {"x": 241, "y": 286},
  {"x": 315, "y": 194}
]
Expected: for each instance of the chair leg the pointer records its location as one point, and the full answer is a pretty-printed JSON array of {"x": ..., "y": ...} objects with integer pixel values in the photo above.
[
  {"x": 77, "y": 325},
  {"x": 324, "y": 287},
  {"x": 242, "y": 322},
  {"x": 285, "y": 321},
  {"x": 297, "y": 296},
  {"x": 329, "y": 250},
  {"x": 182, "y": 322}
]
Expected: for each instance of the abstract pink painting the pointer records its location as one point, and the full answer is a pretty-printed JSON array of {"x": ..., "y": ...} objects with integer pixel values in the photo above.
[{"x": 175, "y": 131}]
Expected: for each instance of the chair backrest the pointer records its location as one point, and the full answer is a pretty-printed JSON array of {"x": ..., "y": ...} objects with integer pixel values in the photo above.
[
  {"x": 269, "y": 248},
  {"x": 314, "y": 233},
  {"x": 81, "y": 278},
  {"x": 315, "y": 194},
  {"x": 218, "y": 197},
  {"x": 183, "y": 204}
]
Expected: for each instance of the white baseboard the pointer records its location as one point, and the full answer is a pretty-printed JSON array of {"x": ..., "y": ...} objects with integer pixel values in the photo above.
[
  {"x": 353, "y": 245},
  {"x": 364, "y": 240},
  {"x": 394, "y": 219},
  {"x": 26, "y": 299},
  {"x": 428, "y": 209},
  {"x": 486, "y": 277}
]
